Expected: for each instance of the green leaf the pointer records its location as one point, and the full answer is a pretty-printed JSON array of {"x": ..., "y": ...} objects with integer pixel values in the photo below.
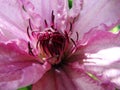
[
  {"x": 118, "y": 26},
  {"x": 26, "y": 88},
  {"x": 116, "y": 29},
  {"x": 92, "y": 76},
  {"x": 70, "y": 3}
]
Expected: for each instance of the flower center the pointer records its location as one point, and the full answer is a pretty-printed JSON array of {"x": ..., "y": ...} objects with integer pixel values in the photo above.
[{"x": 52, "y": 45}]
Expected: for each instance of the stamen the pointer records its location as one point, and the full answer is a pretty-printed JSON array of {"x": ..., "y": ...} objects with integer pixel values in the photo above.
[
  {"x": 37, "y": 43},
  {"x": 45, "y": 47},
  {"x": 36, "y": 33},
  {"x": 46, "y": 23},
  {"x": 30, "y": 49},
  {"x": 28, "y": 32},
  {"x": 77, "y": 36},
  {"x": 70, "y": 26},
  {"x": 66, "y": 35},
  {"x": 23, "y": 7},
  {"x": 52, "y": 17},
  {"x": 30, "y": 25},
  {"x": 76, "y": 18},
  {"x": 73, "y": 42},
  {"x": 52, "y": 43}
]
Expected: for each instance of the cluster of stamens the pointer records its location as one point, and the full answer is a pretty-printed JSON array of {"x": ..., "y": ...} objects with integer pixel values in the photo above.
[{"x": 50, "y": 43}]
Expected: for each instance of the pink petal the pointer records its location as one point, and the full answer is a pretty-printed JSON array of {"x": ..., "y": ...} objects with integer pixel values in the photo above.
[
  {"x": 53, "y": 80},
  {"x": 2, "y": 37},
  {"x": 83, "y": 82},
  {"x": 102, "y": 51},
  {"x": 97, "y": 12},
  {"x": 17, "y": 68},
  {"x": 76, "y": 7},
  {"x": 67, "y": 79}
]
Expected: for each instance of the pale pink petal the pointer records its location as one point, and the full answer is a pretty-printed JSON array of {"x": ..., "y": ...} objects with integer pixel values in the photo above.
[
  {"x": 102, "y": 50},
  {"x": 45, "y": 10},
  {"x": 9, "y": 29},
  {"x": 97, "y": 12},
  {"x": 49, "y": 10},
  {"x": 11, "y": 12},
  {"x": 17, "y": 68},
  {"x": 11, "y": 23},
  {"x": 61, "y": 14}
]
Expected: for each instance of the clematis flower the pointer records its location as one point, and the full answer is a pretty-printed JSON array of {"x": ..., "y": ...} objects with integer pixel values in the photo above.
[{"x": 45, "y": 44}]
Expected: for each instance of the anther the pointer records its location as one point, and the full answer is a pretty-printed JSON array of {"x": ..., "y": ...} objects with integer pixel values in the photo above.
[
  {"x": 23, "y": 7},
  {"x": 30, "y": 25},
  {"x": 46, "y": 23},
  {"x": 73, "y": 42},
  {"x": 70, "y": 26},
  {"x": 77, "y": 36},
  {"x": 28, "y": 32},
  {"x": 52, "y": 17},
  {"x": 30, "y": 49}
]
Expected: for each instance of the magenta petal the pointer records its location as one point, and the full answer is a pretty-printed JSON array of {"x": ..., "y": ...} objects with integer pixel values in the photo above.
[
  {"x": 19, "y": 74},
  {"x": 17, "y": 68},
  {"x": 102, "y": 51},
  {"x": 97, "y": 12},
  {"x": 54, "y": 80},
  {"x": 68, "y": 79}
]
